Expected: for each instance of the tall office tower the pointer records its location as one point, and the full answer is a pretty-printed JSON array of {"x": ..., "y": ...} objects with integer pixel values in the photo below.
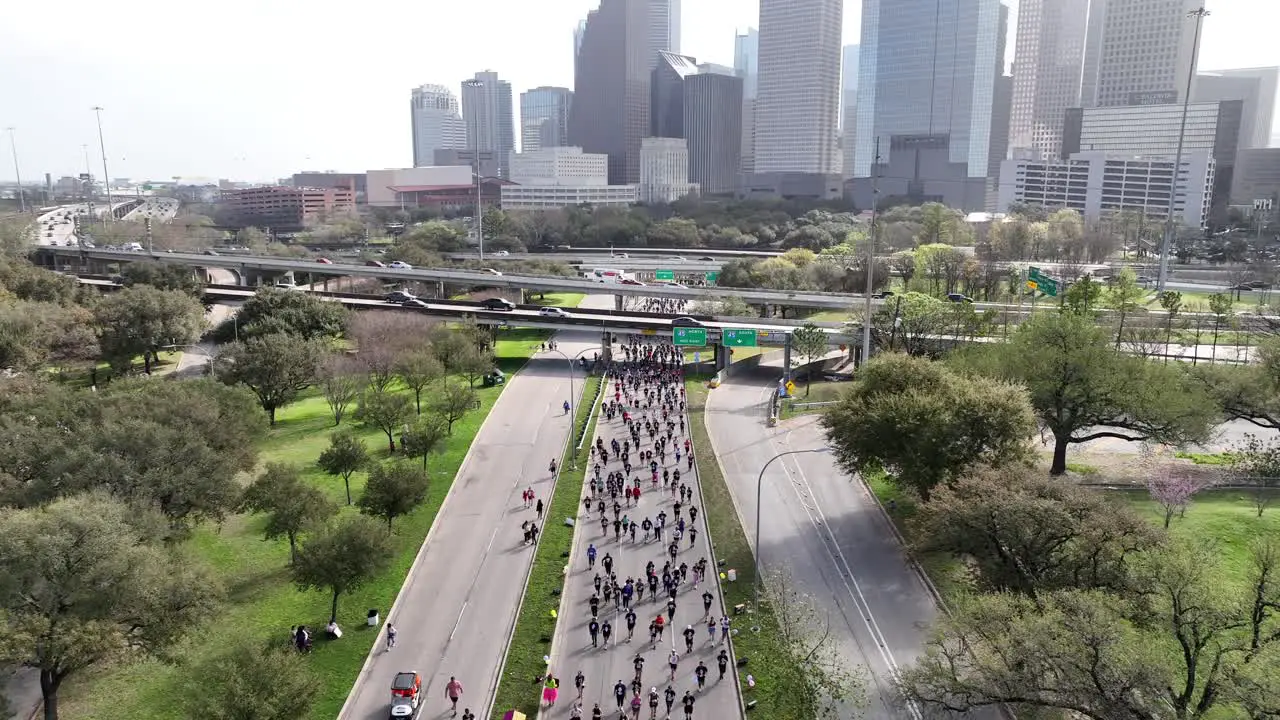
[
  {"x": 848, "y": 107},
  {"x": 746, "y": 63},
  {"x": 665, "y": 23},
  {"x": 928, "y": 75},
  {"x": 544, "y": 118},
  {"x": 610, "y": 112},
  {"x": 798, "y": 91},
  {"x": 486, "y": 107},
  {"x": 713, "y": 128},
  {"x": 1255, "y": 86},
  {"x": 1048, "y": 64},
  {"x": 666, "y": 94},
  {"x": 433, "y": 112},
  {"x": 1143, "y": 52}
]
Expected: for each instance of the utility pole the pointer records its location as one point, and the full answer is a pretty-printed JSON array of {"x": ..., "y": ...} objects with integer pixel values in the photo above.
[
  {"x": 106, "y": 177},
  {"x": 871, "y": 256},
  {"x": 479, "y": 211},
  {"x": 13, "y": 145},
  {"x": 1166, "y": 246}
]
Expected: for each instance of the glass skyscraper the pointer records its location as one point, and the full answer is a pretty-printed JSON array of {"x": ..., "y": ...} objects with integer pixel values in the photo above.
[
  {"x": 927, "y": 75},
  {"x": 544, "y": 118}
]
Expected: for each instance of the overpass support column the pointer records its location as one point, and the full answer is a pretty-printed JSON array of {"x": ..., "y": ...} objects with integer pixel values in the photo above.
[
  {"x": 606, "y": 347},
  {"x": 766, "y": 311},
  {"x": 786, "y": 359},
  {"x": 440, "y": 290},
  {"x": 722, "y": 357},
  {"x": 617, "y": 303}
]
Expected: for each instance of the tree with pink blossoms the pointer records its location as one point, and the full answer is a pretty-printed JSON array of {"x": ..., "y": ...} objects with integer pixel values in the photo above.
[{"x": 1173, "y": 488}]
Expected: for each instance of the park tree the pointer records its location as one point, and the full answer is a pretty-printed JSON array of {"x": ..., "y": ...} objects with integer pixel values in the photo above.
[
  {"x": 35, "y": 284},
  {"x": 35, "y": 334},
  {"x": 810, "y": 343},
  {"x": 1171, "y": 303},
  {"x": 340, "y": 379},
  {"x": 1124, "y": 298},
  {"x": 909, "y": 323},
  {"x": 1027, "y": 534},
  {"x": 343, "y": 557},
  {"x": 85, "y": 583},
  {"x": 472, "y": 363},
  {"x": 925, "y": 424},
  {"x": 1082, "y": 390},
  {"x": 272, "y": 310},
  {"x": 1083, "y": 296},
  {"x": 385, "y": 410},
  {"x": 417, "y": 369},
  {"x": 252, "y": 681},
  {"x": 451, "y": 400},
  {"x": 393, "y": 489},
  {"x": 423, "y": 437},
  {"x": 164, "y": 276},
  {"x": 381, "y": 338},
  {"x": 141, "y": 320},
  {"x": 276, "y": 367},
  {"x": 1188, "y": 647},
  {"x": 290, "y": 504},
  {"x": 1220, "y": 304},
  {"x": 1256, "y": 465},
  {"x": 346, "y": 454}
]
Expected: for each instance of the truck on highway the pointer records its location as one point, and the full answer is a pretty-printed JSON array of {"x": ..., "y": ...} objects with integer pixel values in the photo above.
[{"x": 610, "y": 276}]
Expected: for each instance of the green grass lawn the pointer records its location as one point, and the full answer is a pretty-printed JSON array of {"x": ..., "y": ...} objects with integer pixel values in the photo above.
[
  {"x": 780, "y": 690},
  {"x": 558, "y": 299},
  {"x": 821, "y": 391},
  {"x": 535, "y": 627},
  {"x": 708, "y": 353},
  {"x": 166, "y": 361},
  {"x": 261, "y": 600}
]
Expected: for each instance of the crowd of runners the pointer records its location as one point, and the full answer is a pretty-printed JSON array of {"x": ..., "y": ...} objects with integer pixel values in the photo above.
[
  {"x": 646, "y": 511},
  {"x": 671, "y": 306}
]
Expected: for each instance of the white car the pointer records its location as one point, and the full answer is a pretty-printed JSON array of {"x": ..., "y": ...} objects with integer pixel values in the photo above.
[
  {"x": 398, "y": 265},
  {"x": 491, "y": 271},
  {"x": 553, "y": 312},
  {"x": 502, "y": 253}
]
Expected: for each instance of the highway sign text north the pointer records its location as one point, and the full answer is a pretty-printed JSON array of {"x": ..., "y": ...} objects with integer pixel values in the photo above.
[
  {"x": 688, "y": 336},
  {"x": 739, "y": 337}
]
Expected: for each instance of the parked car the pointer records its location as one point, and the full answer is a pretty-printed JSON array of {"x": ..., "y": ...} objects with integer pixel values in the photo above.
[
  {"x": 958, "y": 298},
  {"x": 497, "y": 304},
  {"x": 415, "y": 303},
  {"x": 685, "y": 321},
  {"x": 553, "y": 312},
  {"x": 400, "y": 265}
]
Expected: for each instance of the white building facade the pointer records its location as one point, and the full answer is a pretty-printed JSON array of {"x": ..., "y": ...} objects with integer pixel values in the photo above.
[
  {"x": 1095, "y": 183},
  {"x": 436, "y": 123},
  {"x": 664, "y": 170},
  {"x": 568, "y": 166},
  {"x": 548, "y": 197}
]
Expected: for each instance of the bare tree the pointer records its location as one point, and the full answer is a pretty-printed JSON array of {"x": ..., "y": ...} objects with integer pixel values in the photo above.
[
  {"x": 805, "y": 630},
  {"x": 339, "y": 377},
  {"x": 381, "y": 337},
  {"x": 1143, "y": 341}
]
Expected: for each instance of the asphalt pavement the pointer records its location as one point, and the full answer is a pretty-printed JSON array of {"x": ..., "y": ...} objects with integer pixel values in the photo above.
[
  {"x": 824, "y": 529},
  {"x": 455, "y": 612},
  {"x": 604, "y": 666}
]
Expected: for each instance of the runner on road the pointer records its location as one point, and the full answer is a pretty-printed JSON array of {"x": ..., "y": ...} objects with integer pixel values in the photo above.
[
  {"x": 453, "y": 691},
  {"x": 620, "y": 693},
  {"x": 700, "y": 673},
  {"x": 673, "y": 661},
  {"x": 670, "y": 696},
  {"x": 580, "y": 682},
  {"x": 722, "y": 661},
  {"x": 688, "y": 705},
  {"x": 391, "y": 636}
]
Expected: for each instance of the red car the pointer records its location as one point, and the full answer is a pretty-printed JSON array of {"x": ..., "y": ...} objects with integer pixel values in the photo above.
[
  {"x": 324, "y": 261},
  {"x": 376, "y": 263}
]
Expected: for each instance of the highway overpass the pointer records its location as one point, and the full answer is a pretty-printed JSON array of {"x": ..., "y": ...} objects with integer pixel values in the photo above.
[{"x": 247, "y": 265}]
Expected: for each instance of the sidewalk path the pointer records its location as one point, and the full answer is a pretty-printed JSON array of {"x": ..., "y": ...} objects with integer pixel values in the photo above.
[{"x": 605, "y": 666}]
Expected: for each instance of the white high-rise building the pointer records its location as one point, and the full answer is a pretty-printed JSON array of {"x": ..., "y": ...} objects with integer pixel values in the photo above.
[
  {"x": 848, "y": 108},
  {"x": 1048, "y": 64},
  {"x": 1142, "y": 52},
  {"x": 797, "y": 104},
  {"x": 746, "y": 63},
  {"x": 664, "y": 170},
  {"x": 436, "y": 124},
  {"x": 486, "y": 108}
]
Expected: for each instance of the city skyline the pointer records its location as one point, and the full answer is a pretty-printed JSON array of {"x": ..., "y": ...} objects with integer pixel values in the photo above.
[{"x": 197, "y": 109}]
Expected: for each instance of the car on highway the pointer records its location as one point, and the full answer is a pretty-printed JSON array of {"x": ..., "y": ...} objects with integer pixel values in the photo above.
[
  {"x": 1241, "y": 287},
  {"x": 415, "y": 303},
  {"x": 630, "y": 281},
  {"x": 399, "y": 296},
  {"x": 706, "y": 258},
  {"x": 686, "y": 321},
  {"x": 400, "y": 265},
  {"x": 553, "y": 312},
  {"x": 376, "y": 263},
  {"x": 324, "y": 261},
  {"x": 502, "y": 253},
  {"x": 959, "y": 298},
  {"x": 211, "y": 252},
  {"x": 492, "y": 271},
  {"x": 497, "y": 304}
]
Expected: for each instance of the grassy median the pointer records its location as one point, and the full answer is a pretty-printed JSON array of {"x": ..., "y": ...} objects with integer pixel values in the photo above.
[
  {"x": 781, "y": 691},
  {"x": 518, "y": 688},
  {"x": 262, "y": 602}
]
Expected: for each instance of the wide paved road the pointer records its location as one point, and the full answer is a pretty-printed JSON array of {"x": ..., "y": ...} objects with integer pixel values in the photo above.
[
  {"x": 605, "y": 666},
  {"x": 826, "y": 531},
  {"x": 455, "y": 610}
]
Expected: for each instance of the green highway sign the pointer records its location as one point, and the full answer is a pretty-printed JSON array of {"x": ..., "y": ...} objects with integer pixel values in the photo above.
[
  {"x": 1037, "y": 280},
  {"x": 689, "y": 336},
  {"x": 712, "y": 277},
  {"x": 664, "y": 275},
  {"x": 739, "y": 337}
]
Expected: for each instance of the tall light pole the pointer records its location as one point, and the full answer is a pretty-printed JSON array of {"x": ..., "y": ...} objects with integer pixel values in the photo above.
[
  {"x": 755, "y": 584},
  {"x": 572, "y": 416},
  {"x": 106, "y": 176},
  {"x": 871, "y": 259},
  {"x": 13, "y": 145},
  {"x": 1167, "y": 244}
]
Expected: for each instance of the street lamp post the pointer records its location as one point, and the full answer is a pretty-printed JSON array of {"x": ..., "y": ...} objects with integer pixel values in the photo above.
[
  {"x": 106, "y": 176},
  {"x": 759, "y": 493},
  {"x": 1167, "y": 244},
  {"x": 574, "y": 457},
  {"x": 22, "y": 199},
  {"x": 871, "y": 259}
]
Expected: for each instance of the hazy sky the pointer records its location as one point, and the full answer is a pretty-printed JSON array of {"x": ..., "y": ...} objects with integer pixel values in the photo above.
[{"x": 259, "y": 89}]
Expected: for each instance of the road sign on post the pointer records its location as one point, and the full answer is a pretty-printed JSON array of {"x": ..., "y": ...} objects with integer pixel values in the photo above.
[
  {"x": 1037, "y": 280},
  {"x": 712, "y": 277},
  {"x": 738, "y": 337},
  {"x": 664, "y": 275},
  {"x": 689, "y": 336}
]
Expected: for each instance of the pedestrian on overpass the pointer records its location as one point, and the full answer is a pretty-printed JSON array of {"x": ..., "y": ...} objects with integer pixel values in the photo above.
[{"x": 620, "y": 693}]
